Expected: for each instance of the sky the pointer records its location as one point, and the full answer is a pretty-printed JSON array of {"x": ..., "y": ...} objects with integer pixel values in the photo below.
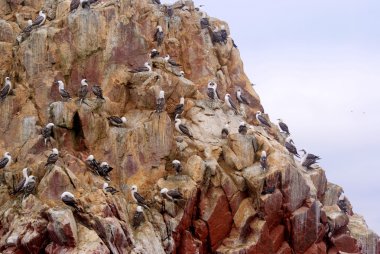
[{"x": 316, "y": 65}]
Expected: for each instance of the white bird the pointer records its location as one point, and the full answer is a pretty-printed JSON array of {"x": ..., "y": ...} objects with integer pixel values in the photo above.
[
  {"x": 242, "y": 128},
  {"x": 5, "y": 161},
  {"x": 228, "y": 100},
  {"x": 263, "y": 160},
  {"x": 283, "y": 127},
  {"x": 69, "y": 199},
  {"x": 29, "y": 185},
  {"x": 64, "y": 94},
  {"x": 289, "y": 145},
  {"x": 181, "y": 128},
  {"x": 240, "y": 97},
  {"x": 46, "y": 132},
  {"x": 145, "y": 68},
  {"x": 154, "y": 53},
  {"x": 160, "y": 102},
  {"x": 21, "y": 184},
  {"x": 53, "y": 157},
  {"x": 159, "y": 35},
  {"x": 308, "y": 159},
  {"x": 40, "y": 20},
  {"x": 109, "y": 189},
  {"x": 177, "y": 166},
  {"x": 137, "y": 197},
  {"x": 83, "y": 90},
  {"x": 212, "y": 91},
  {"x": 225, "y": 131},
  {"x": 261, "y": 119},
  {"x": 179, "y": 108},
  {"x": 4, "y": 92},
  {"x": 172, "y": 195},
  {"x": 138, "y": 217},
  {"x": 117, "y": 121},
  {"x": 171, "y": 61}
]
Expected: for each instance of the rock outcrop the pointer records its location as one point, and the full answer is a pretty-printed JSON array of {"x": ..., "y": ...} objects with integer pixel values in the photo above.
[{"x": 229, "y": 205}]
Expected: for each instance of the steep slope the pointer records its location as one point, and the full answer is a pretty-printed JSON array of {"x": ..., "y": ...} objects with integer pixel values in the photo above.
[{"x": 230, "y": 204}]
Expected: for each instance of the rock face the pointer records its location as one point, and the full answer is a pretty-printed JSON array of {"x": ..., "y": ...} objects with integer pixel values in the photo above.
[{"x": 229, "y": 205}]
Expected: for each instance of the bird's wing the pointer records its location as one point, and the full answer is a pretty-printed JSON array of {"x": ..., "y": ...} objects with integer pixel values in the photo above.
[
  {"x": 46, "y": 132},
  {"x": 311, "y": 156},
  {"x": 52, "y": 158},
  {"x": 175, "y": 194},
  {"x": 83, "y": 91},
  {"x": 64, "y": 93},
  {"x": 115, "y": 119},
  {"x": 74, "y": 4},
  {"x": 291, "y": 148},
  {"x": 19, "y": 186},
  {"x": 244, "y": 100},
  {"x": 37, "y": 21},
  {"x": 232, "y": 103},
  {"x": 27, "y": 29},
  {"x": 263, "y": 120},
  {"x": 3, "y": 162},
  {"x": 185, "y": 130},
  {"x": 284, "y": 127},
  {"x": 139, "y": 198},
  {"x": 4, "y": 92}
]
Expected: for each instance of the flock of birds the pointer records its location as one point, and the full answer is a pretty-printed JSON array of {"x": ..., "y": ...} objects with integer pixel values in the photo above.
[{"x": 28, "y": 184}]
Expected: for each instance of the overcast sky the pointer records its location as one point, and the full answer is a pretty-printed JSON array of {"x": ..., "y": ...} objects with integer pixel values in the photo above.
[{"x": 316, "y": 64}]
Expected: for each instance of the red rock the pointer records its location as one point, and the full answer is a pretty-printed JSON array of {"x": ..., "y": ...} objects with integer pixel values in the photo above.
[
  {"x": 285, "y": 249},
  {"x": 236, "y": 200},
  {"x": 345, "y": 243},
  {"x": 277, "y": 236},
  {"x": 294, "y": 189},
  {"x": 189, "y": 244},
  {"x": 62, "y": 227},
  {"x": 317, "y": 249},
  {"x": 271, "y": 205},
  {"x": 332, "y": 250},
  {"x": 201, "y": 230}
]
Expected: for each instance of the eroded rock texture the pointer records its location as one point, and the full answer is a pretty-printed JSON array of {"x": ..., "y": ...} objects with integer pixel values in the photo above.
[{"x": 230, "y": 204}]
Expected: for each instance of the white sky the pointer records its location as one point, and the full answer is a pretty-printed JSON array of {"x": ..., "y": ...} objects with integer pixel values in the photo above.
[{"x": 316, "y": 64}]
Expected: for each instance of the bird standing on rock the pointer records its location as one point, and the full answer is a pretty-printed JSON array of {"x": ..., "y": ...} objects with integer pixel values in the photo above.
[
  {"x": 69, "y": 199},
  {"x": 230, "y": 103},
  {"x": 138, "y": 217},
  {"x": 212, "y": 92},
  {"x": 29, "y": 186},
  {"x": 160, "y": 102},
  {"x": 181, "y": 128},
  {"x": 21, "y": 184},
  {"x": 83, "y": 90},
  {"x": 289, "y": 145},
  {"x": 243, "y": 128},
  {"x": 177, "y": 166},
  {"x": 283, "y": 126},
  {"x": 159, "y": 35},
  {"x": 154, "y": 53},
  {"x": 40, "y": 20},
  {"x": 93, "y": 165},
  {"x": 263, "y": 160},
  {"x": 179, "y": 108},
  {"x": 97, "y": 90},
  {"x": 308, "y": 159},
  {"x": 241, "y": 98},
  {"x": 64, "y": 94},
  {"x": 172, "y": 195},
  {"x": 145, "y": 68},
  {"x": 138, "y": 198},
  {"x": 53, "y": 157},
  {"x": 47, "y": 131},
  {"x": 225, "y": 131},
  {"x": 262, "y": 120},
  {"x": 5, "y": 161},
  {"x": 7, "y": 88},
  {"x": 109, "y": 189},
  {"x": 117, "y": 121}
]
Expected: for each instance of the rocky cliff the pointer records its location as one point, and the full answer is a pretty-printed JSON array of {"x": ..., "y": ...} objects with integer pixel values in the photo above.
[{"x": 230, "y": 204}]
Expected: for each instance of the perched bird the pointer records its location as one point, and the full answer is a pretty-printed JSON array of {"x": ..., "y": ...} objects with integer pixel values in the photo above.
[
  {"x": 40, "y": 20},
  {"x": 53, "y": 157},
  {"x": 169, "y": 11},
  {"x": 93, "y": 165},
  {"x": 156, "y": 1},
  {"x": 172, "y": 195},
  {"x": 308, "y": 159},
  {"x": 159, "y": 35},
  {"x": 261, "y": 119},
  {"x": 46, "y": 132},
  {"x": 64, "y": 94},
  {"x": 230, "y": 103},
  {"x": 263, "y": 160},
  {"x": 69, "y": 199},
  {"x": 216, "y": 35},
  {"x": 224, "y": 34},
  {"x": 171, "y": 61},
  {"x": 242, "y": 128},
  {"x": 342, "y": 204},
  {"x": 117, "y": 121},
  {"x": 289, "y": 145},
  {"x": 138, "y": 198},
  {"x": 177, "y": 166},
  {"x": 204, "y": 21},
  {"x": 145, "y": 68},
  {"x": 97, "y": 90},
  {"x": 154, "y": 53},
  {"x": 241, "y": 98},
  {"x": 225, "y": 131},
  {"x": 29, "y": 185},
  {"x": 109, "y": 189},
  {"x": 212, "y": 92},
  {"x": 75, "y": 4},
  {"x": 4, "y": 92},
  {"x": 179, "y": 108},
  {"x": 5, "y": 161},
  {"x": 160, "y": 102},
  {"x": 181, "y": 128},
  {"x": 138, "y": 217},
  {"x": 21, "y": 184},
  {"x": 283, "y": 127},
  {"x": 233, "y": 42},
  {"x": 83, "y": 90},
  {"x": 104, "y": 169},
  {"x": 29, "y": 27}
]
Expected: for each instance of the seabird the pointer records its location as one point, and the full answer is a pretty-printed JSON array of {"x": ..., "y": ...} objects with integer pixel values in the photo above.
[
  {"x": 85, "y": 4},
  {"x": 154, "y": 53},
  {"x": 177, "y": 166},
  {"x": 230, "y": 103},
  {"x": 216, "y": 35},
  {"x": 308, "y": 159},
  {"x": 263, "y": 160},
  {"x": 97, "y": 90},
  {"x": 83, "y": 90},
  {"x": 179, "y": 108},
  {"x": 104, "y": 170},
  {"x": 241, "y": 98},
  {"x": 171, "y": 61},
  {"x": 117, "y": 121},
  {"x": 64, "y": 94},
  {"x": 29, "y": 27},
  {"x": 172, "y": 195},
  {"x": 283, "y": 126},
  {"x": 212, "y": 91},
  {"x": 145, "y": 68},
  {"x": 224, "y": 34},
  {"x": 225, "y": 131},
  {"x": 169, "y": 10},
  {"x": 138, "y": 218},
  {"x": 204, "y": 21},
  {"x": 261, "y": 119},
  {"x": 93, "y": 164},
  {"x": 156, "y": 1},
  {"x": 160, "y": 102},
  {"x": 69, "y": 199},
  {"x": 138, "y": 198},
  {"x": 5, "y": 161},
  {"x": 6, "y": 88},
  {"x": 109, "y": 189},
  {"x": 181, "y": 128},
  {"x": 233, "y": 42},
  {"x": 342, "y": 204},
  {"x": 159, "y": 35},
  {"x": 53, "y": 157},
  {"x": 46, "y": 132},
  {"x": 242, "y": 128},
  {"x": 21, "y": 184},
  {"x": 40, "y": 20},
  {"x": 289, "y": 145},
  {"x": 75, "y": 4},
  {"x": 29, "y": 185}
]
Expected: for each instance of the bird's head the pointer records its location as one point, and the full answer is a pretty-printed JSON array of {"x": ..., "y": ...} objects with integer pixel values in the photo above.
[
  {"x": 176, "y": 162},
  {"x": 49, "y": 125},
  {"x": 263, "y": 154},
  {"x": 32, "y": 178},
  {"x": 302, "y": 150},
  {"x": 124, "y": 119},
  {"x": 90, "y": 157},
  {"x": 154, "y": 50},
  {"x": 239, "y": 90},
  {"x": 139, "y": 209},
  {"x": 222, "y": 27},
  {"x": 177, "y": 121},
  {"x": 7, "y": 154},
  {"x": 105, "y": 185},
  {"x": 258, "y": 113},
  {"x": 84, "y": 82},
  {"x": 103, "y": 164},
  {"x": 7, "y": 79},
  {"x": 67, "y": 194},
  {"x": 25, "y": 172},
  {"x": 54, "y": 151},
  {"x": 182, "y": 100},
  {"x": 159, "y": 28},
  {"x": 164, "y": 191},
  {"x": 29, "y": 22},
  {"x": 162, "y": 94},
  {"x": 134, "y": 188},
  {"x": 182, "y": 73},
  {"x": 242, "y": 123}
]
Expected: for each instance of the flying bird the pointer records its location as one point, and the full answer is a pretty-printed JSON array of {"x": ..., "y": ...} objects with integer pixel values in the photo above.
[
  {"x": 109, "y": 189},
  {"x": 47, "y": 132},
  {"x": 177, "y": 166},
  {"x": 263, "y": 160},
  {"x": 92, "y": 164},
  {"x": 138, "y": 217},
  {"x": 21, "y": 184},
  {"x": 230, "y": 103},
  {"x": 53, "y": 157},
  {"x": 117, "y": 121},
  {"x": 159, "y": 35},
  {"x": 260, "y": 118},
  {"x": 145, "y": 68},
  {"x": 181, "y": 128},
  {"x": 289, "y": 145},
  {"x": 97, "y": 90},
  {"x": 179, "y": 108},
  {"x": 171, "y": 61},
  {"x": 160, "y": 102},
  {"x": 225, "y": 131},
  {"x": 40, "y": 20},
  {"x": 283, "y": 126},
  {"x": 83, "y": 90},
  {"x": 242, "y": 128},
  {"x": 29, "y": 186},
  {"x": 138, "y": 198},
  {"x": 154, "y": 53},
  {"x": 308, "y": 159},
  {"x": 212, "y": 92},
  {"x": 64, "y": 94},
  {"x": 172, "y": 195},
  {"x": 241, "y": 98},
  {"x": 6, "y": 89},
  {"x": 5, "y": 161},
  {"x": 69, "y": 199}
]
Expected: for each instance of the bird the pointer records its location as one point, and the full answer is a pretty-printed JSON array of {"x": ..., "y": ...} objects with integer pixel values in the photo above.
[
  {"x": 224, "y": 34},
  {"x": 29, "y": 27},
  {"x": 241, "y": 98},
  {"x": 154, "y": 53},
  {"x": 75, "y": 4},
  {"x": 104, "y": 169},
  {"x": 172, "y": 195},
  {"x": 216, "y": 35},
  {"x": 93, "y": 164},
  {"x": 283, "y": 126},
  {"x": 64, "y": 94},
  {"x": 138, "y": 217},
  {"x": 109, "y": 189},
  {"x": 156, "y": 1},
  {"x": 212, "y": 92},
  {"x": 171, "y": 61},
  {"x": 204, "y": 21},
  {"x": 261, "y": 119},
  {"x": 233, "y": 42},
  {"x": 69, "y": 199},
  {"x": 263, "y": 160},
  {"x": 117, "y": 121},
  {"x": 97, "y": 90},
  {"x": 160, "y": 102},
  {"x": 308, "y": 159},
  {"x": 83, "y": 90},
  {"x": 46, "y": 132},
  {"x": 289, "y": 145},
  {"x": 20, "y": 185},
  {"x": 225, "y": 131},
  {"x": 6, "y": 160},
  {"x": 138, "y": 198},
  {"x": 179, "y": 108},
  {"x": 53, "y": 157},
  {"x": 4, "y": 92},
  {"x": 177, "y": 166},
  {"x": 242, "y": 128},
  {"x": 159, "y": 35},
  {"x": 40, "y": 20},
  {"x": 29, "y": 185},
  {"x": 181, "y": 128},
  {"x": 230, "y": 103},
  {"x": 145, "y": 68}
]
